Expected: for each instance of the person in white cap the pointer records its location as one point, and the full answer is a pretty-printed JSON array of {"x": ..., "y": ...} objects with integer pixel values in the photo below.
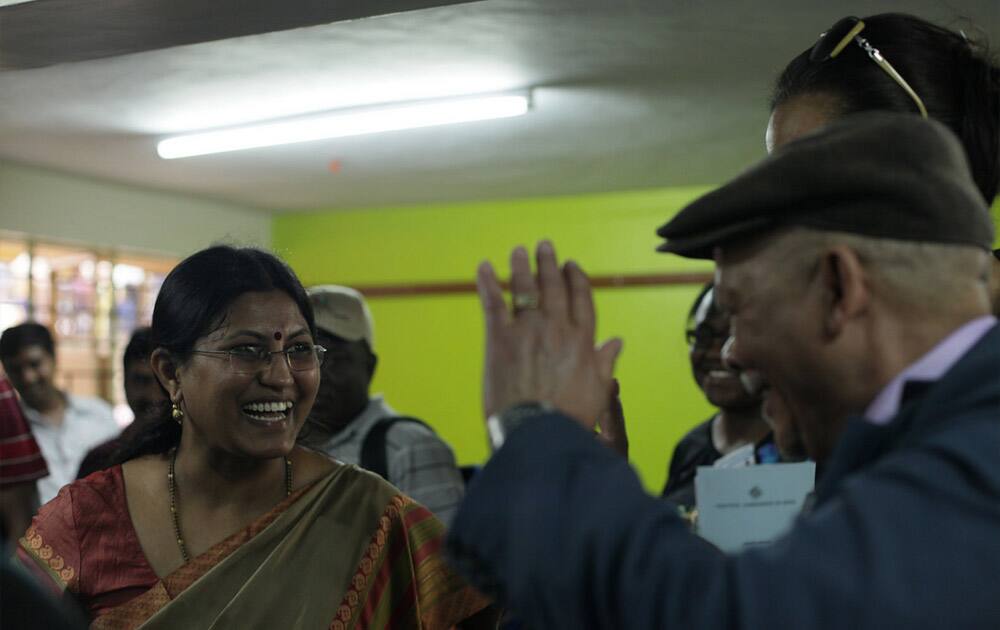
[{"x": 354, "y": 427}]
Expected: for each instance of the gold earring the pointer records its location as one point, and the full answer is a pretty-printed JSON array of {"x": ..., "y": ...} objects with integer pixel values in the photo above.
[{"x": 176, "y": 413}]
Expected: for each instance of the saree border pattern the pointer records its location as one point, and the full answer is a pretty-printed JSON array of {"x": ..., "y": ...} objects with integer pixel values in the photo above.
[
  {"x": 348, "y": 612},
  {"x": 401, "y": 581}
]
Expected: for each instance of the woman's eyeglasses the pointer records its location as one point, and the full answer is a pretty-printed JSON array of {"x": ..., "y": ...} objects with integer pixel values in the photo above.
[
  {"x": 703, "y": 335},
  {"x": 252, "y": 360},
  {"x": 840, "y": 35}
]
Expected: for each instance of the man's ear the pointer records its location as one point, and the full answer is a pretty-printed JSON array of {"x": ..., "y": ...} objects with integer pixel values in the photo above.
[
  {"x": 166, "y": 369},
  {"x": 372, "y": 362},
  {"x": 846, "y": 293}
]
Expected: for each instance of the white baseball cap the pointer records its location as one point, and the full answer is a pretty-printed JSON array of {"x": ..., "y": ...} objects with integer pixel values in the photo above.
[{"x": 343, "y": 312}]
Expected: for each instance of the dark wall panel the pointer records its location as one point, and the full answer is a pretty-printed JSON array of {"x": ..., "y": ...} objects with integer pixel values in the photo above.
[{"x": 47, "y": 32}]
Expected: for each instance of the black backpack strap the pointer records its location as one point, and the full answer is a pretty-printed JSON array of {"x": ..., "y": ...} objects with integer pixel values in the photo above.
[{"x": 373, "y": 455}]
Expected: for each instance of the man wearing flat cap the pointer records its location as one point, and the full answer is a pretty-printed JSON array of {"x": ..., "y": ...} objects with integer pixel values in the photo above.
[
  {"x": 352, "y": 426},
  {"x": 855, "y": 265}
]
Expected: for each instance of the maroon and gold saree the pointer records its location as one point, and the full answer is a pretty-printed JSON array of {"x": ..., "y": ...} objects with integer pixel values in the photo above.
[{"x": 348, "y": 551}]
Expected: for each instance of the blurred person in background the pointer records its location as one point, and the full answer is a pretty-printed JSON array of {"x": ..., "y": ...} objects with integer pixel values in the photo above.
[
  {"x": 352, "y": 426},
  {"x": 21, "y": 466},
  {"x": 737, "y": 424},
  {"x": 144, "y": 396},
  {"x": 66, "y": 426}
]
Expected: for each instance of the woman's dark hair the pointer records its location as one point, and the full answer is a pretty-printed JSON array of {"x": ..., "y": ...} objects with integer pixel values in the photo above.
[
  {"x": 193, "y": 302},
  {"x": 956, "y": 79}
]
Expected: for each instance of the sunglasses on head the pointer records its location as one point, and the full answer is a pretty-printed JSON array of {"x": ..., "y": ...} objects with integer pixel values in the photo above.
[{"x": 840, "y": 35}]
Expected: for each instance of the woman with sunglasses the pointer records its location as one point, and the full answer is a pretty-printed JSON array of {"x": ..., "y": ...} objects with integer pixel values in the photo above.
[
  {"x": 215, "y": 518},
  {"x": 901, "y": 63}
]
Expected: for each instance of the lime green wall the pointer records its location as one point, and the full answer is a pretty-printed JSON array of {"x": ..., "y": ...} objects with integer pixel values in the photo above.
[
  {"x": 995, "y": 209},
  {"x": 430, "y": 347}
]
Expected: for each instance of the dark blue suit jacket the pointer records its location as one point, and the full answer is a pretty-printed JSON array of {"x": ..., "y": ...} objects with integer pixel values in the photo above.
[{"x": 904, "y": 533}]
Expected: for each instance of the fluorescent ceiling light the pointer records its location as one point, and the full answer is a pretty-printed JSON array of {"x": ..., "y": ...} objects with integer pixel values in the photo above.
[{"x": 350, "y": 122}]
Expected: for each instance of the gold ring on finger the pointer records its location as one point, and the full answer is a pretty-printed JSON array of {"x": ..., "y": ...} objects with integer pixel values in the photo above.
[{"x": 525, "y": 301}]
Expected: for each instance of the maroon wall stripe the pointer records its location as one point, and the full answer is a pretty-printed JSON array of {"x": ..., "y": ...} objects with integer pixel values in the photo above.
[{"x": 599, "y": 282}]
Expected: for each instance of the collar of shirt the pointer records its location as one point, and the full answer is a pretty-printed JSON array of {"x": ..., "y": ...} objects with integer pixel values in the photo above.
[
  {"x": 37, "y": 417},
  {"x": 930, "y": 367},
  {"x": 375, "y": 410}
]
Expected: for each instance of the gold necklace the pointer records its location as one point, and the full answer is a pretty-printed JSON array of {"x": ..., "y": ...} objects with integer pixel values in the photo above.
[{"x": 175, "y": 513}]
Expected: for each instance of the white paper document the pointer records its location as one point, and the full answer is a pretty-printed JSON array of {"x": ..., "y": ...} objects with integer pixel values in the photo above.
[{"x": 739, "y": 508}]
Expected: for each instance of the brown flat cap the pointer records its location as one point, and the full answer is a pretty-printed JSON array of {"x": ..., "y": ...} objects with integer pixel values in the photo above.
[{"x": 885, "y": 175}]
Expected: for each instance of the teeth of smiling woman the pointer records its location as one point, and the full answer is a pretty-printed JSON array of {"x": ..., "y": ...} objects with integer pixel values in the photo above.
[{"x": 255, "y": 408}]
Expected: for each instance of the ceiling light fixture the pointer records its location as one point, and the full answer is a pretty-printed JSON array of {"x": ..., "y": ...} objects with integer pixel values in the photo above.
[{"x": 348, "y": 122}]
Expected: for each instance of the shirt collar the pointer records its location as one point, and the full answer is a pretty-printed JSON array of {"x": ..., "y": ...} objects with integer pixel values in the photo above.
[
  {"x": 930, "y": 367},
  {"x": 375, "y": 410},
  {"x": 35, "y": 417}
]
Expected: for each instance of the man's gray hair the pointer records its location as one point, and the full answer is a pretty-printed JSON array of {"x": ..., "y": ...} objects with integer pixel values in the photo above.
[{"x": 909, "y": 275}]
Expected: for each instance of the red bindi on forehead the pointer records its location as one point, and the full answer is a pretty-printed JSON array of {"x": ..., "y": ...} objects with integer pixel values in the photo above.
[{"x": 277, "y": 336}]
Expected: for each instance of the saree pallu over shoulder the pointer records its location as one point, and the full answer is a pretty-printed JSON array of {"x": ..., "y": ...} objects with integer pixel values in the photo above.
[
  {"x": 402, "y": 581},
  {"x": 347, "y": 552}
]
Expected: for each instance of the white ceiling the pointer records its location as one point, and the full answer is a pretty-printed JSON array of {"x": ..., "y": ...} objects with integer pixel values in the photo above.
[{"x": 627, "y": 94}]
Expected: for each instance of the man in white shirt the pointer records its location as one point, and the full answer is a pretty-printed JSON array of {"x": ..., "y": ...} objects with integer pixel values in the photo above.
[{"x": 65, "y": 426}]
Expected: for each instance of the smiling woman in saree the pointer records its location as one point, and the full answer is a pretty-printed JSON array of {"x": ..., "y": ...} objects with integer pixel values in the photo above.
[{"x": 215, "y": 518}]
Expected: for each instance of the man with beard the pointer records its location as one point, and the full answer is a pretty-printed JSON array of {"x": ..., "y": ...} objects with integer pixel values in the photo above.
[
  {"x": 348, "y": 424},
  {"x": 855, "y": 266}
]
